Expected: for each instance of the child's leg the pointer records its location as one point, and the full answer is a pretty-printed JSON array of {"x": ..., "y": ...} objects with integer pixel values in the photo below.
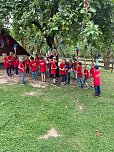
[
  {"x": 32, "y": 75},
  {"x": 8, "y": 72},
  {"x": 44, "y": 77},
  {"x": 96, "y": 90},
  {"x": 62, "y": 80},
  {"x": 68, "y": 77},
  {"x": 81, "y": 82},
  {"x": 84, "y": 82},
  {"x": 99, "y": 91},
  {"x": 35, "y": 75},
  {"x": 23, "y": 78},
  {"x": 78, "y": 82},
  {"x": 54, "y": 80},
  {"x": 16, "y": 70}
]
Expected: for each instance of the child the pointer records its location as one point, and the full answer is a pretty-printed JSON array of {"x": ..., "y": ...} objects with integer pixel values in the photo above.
[
  {"x": 27, "y": 63},
  {"x": 33, "y": 67},
  {"x": 42, "y": 65},
  {"x": 11, "y": 60},
  {"x": 86, "y": 76},
  {"x": 53, "y": 70},
  {"x": 16, "y": 62},
  {"x": 6, "y": 64},
  {"x": 69, "y": 67},
  {"x": 79, "y": 74},
  {"x": 62, "y": 71},
  {"x": 75, "y": 68},
  {"x": 96, "y": 80},
  {"x": 91, "y": 73},
  {"x": 37, "y": 62},
  {"x": 22, "y": 70}
]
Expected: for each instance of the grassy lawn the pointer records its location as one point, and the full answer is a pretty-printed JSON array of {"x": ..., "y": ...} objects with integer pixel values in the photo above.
[{"x": 75, "y": 114}]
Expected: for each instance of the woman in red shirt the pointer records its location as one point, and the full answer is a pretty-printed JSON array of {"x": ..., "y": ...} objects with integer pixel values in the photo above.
[{"x": 6, "y": 64}]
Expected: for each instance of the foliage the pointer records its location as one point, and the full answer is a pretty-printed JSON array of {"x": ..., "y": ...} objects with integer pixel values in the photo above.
[{"x": 40, "y": 21}]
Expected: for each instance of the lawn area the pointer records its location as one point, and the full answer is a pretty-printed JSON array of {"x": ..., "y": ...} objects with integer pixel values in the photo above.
[{"x": 75, "y": 114}]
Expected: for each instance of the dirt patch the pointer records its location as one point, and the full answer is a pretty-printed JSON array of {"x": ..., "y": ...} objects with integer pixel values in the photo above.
[
  {"x": 30, "y": 93},
  {"x": 51, "y": 133},
  {"x": 80, "y": 106},
  {"x": 39, "y": 85}
]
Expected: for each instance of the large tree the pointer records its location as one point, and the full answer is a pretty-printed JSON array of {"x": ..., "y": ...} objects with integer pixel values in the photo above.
[{"x": 69, "y": 19}]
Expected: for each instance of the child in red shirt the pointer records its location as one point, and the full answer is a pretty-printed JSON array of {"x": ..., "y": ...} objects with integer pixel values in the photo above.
[
  {"x": 96, "y": 80},
  {"x": 79, "y": 74},
  {"x": 16, "y": 63},
  {"x": 62, "y": 71},
  {"x": 27, "y": 63},
  {"x": 86, "y": 76},
  {"x": 37, "y": 61},
  {"x": 53, "y": 70},
  {"x": 42, "y": 66},
  {"x": 21, "y": 70},
  {"x": 6, "y": 64},
  {"x": 11, "y": 60},
  {"x": 33, "y": 67}
]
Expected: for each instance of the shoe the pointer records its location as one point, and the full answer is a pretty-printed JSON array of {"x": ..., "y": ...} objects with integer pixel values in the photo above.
[{"x": 22, "y": 83}]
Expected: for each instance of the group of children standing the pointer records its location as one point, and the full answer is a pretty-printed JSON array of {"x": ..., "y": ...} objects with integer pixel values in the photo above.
[{"x": 13, "y": 64}]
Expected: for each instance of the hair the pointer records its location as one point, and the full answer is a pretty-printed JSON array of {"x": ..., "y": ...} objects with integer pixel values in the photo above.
[
  {"x": 41, "y": 58},
  {"x": 32, "y": 58},
  {"x": 75, "y": 59},
  {"x": 80, "y": 63}
]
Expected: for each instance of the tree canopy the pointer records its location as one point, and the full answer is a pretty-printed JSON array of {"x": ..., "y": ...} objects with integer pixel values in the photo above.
[{"x": 39, "y": 20}]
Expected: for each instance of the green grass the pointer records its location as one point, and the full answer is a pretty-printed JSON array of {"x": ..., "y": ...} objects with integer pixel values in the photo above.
[{"x": 23, "y": 119}]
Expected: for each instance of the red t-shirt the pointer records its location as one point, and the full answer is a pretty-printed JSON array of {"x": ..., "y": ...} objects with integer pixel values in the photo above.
[
  {"x": 96, "y": 78},
  {"x": 92, "y": 71},
  {"x": 75, "y": 66},
  {"x": 53, "y": 68},
  {"x": 42, "y": 65},
  {"x": 79, "y": 71},
  {"x": 16, "y": 62},
  {"x": 11, "y": 60},
  {"x": 86, "y": 73},
  {"x": 62, "y": 66},
  {"x": 27, "y": 63},
  {"x": 6, "y": 62},
  {"x": 21, "y": 67},
  {"x": 33, "y": 66},
  {"x": 37, "y": 60}
]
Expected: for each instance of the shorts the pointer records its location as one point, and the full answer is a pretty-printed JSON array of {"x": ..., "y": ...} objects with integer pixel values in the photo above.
[
  {"x": 53, "y": 76},
  {"x": 43, "y": 73}
]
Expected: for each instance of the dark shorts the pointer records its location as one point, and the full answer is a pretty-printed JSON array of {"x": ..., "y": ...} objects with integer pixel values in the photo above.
[
  {"x": 44, "y": 73},
  {"x": 53, "y": 76}
]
